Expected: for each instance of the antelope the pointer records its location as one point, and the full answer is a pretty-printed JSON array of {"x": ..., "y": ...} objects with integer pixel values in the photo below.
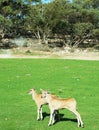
[
  {"x": 56, "y": 103},
  {"x": 39, "y": 102}
]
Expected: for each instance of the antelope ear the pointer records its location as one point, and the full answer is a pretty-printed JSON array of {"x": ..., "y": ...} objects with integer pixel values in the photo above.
[
  {"x": 48, "y": 92},
  {"x": 41, "y": 90}
]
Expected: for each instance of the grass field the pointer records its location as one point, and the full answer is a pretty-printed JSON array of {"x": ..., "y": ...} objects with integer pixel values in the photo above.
[{"x": 66, "y": 78}]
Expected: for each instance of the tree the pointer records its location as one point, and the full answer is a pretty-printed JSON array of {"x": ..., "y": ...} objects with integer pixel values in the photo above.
[{"x": 61, "y": 17}]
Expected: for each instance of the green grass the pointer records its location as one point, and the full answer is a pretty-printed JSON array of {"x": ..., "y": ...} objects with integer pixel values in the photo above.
[{"x": 66, "y": 78}]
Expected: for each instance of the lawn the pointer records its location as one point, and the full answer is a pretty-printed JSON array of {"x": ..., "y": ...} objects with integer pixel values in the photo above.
[{"x": 66, "y": 78}]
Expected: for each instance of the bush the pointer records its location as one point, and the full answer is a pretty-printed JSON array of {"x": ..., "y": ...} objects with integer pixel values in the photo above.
[
  {"x": 96, "y": 33},
  {"x": 82, "y": 28}
]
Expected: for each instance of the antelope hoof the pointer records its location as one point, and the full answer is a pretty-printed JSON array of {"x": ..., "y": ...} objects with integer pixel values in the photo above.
[
  {"x": 38, "y": 119},
  {"x": 82, "y": 125},
  {"x": 42, "y": 118},
  {"x": 49, "y": 124},
  {"x": 53, "y": 122}
]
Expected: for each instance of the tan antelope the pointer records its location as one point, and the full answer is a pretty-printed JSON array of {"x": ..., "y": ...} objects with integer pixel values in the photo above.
[
  {"x": 56, "y": 103},
  {"x": 39, "y": 103}
]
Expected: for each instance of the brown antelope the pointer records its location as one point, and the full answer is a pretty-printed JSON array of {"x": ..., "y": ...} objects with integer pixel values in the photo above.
[
  {"x": 56, "y": 103},
  {"x": 39, "y": 102}
]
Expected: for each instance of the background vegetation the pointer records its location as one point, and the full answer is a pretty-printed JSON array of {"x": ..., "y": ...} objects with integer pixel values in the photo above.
[
  {"x": 75, "y": 22},
  {"x": 66, "y": 78}
]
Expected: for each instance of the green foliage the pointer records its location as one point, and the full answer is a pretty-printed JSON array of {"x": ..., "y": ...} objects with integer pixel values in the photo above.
[
  {"x": 44, "y": 20},
  {"x": 87, "y": 3},
  {"x": 4, "y": 22},
  {"x": 96, "y": 33},
  {"x": 66, "y": 78},
  {"x": 83, "y": 28},
  {"x": 1, "y": 19}
]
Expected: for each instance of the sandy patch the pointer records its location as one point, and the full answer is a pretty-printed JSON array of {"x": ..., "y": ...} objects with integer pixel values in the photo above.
[{"x": 58, "y": 55}]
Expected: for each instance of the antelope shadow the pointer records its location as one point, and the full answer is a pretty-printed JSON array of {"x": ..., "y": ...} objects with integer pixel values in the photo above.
[{"x": 59, "y": 117}]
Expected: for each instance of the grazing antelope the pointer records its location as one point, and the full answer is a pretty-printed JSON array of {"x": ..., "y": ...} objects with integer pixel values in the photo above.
[
  {"x": 56, "y": 103},
  {"x": 39, "y": 102}
]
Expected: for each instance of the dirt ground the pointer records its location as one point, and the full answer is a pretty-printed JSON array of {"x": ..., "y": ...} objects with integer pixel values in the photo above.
[{"x": 59, "y": 55}]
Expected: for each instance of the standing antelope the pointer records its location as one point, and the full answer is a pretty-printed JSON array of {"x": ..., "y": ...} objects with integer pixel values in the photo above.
[
  {"x": 56, "y": 103},
  {"x": 39, "y": 102}
]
